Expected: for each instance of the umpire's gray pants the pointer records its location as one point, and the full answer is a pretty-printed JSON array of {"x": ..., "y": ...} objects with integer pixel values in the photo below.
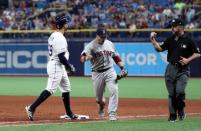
[{"x": 176, "y": 79}]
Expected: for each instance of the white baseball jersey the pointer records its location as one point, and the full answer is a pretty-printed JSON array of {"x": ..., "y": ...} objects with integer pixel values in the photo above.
[
  {"x": 102, "y": 54},
  {"x": 57, "y": 74},
  {"x": 57, "y": 44}
]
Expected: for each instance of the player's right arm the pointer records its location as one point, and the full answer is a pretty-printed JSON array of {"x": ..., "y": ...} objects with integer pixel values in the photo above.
[
  {"x": 86, "y": 54},
  {"x": 154, "y": 42}
]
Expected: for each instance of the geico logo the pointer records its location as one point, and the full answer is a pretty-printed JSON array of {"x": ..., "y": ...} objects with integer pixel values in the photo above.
[
  {"x": 23, "y": 59},
  {"x": 139, "y": 59}
]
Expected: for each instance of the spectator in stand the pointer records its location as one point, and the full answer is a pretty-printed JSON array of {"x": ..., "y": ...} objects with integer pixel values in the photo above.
[{"x": 32, "y": 14}]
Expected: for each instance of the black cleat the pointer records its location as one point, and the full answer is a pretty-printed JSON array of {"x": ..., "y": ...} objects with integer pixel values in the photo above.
[
  {"x": 172, "y": 118},
  {"x": 29, "y": 113},
  {"x": 181, "y": 115},
  {"x": 73, "y": 116}
]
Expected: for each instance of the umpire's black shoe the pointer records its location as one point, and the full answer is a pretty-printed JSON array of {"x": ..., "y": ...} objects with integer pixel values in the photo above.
[
  {"x": 29, "y": 113},
  {"x": 172, "y": 118},
  {"x": 181, "y": 115}
]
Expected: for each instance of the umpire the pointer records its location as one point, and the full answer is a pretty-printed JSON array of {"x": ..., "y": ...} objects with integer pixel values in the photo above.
[{"x": 181, "y": 51}]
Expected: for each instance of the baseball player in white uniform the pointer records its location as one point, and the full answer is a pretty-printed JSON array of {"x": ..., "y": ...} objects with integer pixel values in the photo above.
[
  {"x": 101, "y": 52},
  {"x": 57, "y": 69}
]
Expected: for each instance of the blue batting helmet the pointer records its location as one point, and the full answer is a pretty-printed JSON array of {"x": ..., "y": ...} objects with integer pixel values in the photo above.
[{"x": 62, "y": 20}]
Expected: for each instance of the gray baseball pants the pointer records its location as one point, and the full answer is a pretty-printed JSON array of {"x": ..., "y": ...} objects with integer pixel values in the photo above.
[{"x": 176, "y": 79}]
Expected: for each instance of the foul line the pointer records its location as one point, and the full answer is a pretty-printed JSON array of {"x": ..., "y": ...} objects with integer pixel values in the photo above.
[{"x": 57, "y": 122}]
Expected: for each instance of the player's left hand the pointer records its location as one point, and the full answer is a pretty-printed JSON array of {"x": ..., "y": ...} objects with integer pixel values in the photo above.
[
  {"x": 122, "y": 74},
  {"x": 71, "y": 69},
  {"x": 183, "y": 60}
]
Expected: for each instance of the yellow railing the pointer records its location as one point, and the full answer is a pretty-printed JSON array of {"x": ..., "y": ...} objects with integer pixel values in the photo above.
[{"x": 92, "y": 30}]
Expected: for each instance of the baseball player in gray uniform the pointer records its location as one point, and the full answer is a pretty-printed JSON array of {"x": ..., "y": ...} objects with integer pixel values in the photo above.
[
  {"x": 57, "y": 69},
  {"x": 101, "y": 52}
]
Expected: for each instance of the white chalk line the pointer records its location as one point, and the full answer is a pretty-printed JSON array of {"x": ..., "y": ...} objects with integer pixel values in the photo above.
[{"x": 47, "y": 122}]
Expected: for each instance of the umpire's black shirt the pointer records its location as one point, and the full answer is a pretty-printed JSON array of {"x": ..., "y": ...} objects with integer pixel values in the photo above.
[{"x": 184, "y": 47}]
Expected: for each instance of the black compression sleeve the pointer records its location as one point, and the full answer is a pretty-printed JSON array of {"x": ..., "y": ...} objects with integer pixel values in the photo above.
[{"x": 63, "y": 60}]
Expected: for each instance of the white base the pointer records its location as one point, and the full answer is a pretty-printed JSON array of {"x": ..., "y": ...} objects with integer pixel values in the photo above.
[{"x": 80, "y": 117}]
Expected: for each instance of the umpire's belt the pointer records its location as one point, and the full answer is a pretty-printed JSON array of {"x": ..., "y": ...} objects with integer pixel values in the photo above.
[
  {"x": 100, "y": 71},
  {"x": 176, "y": 64}
]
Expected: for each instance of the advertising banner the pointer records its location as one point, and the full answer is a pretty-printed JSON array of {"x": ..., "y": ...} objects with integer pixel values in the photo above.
[
  {"x": 23, "y": 59},
  {"x": 140, "y": 59}
]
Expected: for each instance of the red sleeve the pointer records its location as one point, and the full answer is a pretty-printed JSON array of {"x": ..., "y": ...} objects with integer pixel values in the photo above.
[{"x": 117, "y": 59}]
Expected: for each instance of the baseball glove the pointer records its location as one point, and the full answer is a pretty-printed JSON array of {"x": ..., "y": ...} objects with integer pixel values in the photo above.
[
  {"x": 122, "y": 74},
  {"x": 70, "y": 69}
]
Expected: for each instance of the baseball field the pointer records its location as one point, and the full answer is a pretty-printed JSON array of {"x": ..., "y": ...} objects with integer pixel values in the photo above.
[{"x": 142, "y": 106}]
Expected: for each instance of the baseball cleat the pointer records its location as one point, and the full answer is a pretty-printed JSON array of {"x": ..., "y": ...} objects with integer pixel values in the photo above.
[
  {"x": 172, "y": 121},
  {"x": 172, "y": 118},
  {"x": 29, "y": 113},
  {"x": 181, "y": 115},
  {"x": 101, "y": 112},
  {"x": 112, "y": 116},
  {"x": 73, "y": 116}
]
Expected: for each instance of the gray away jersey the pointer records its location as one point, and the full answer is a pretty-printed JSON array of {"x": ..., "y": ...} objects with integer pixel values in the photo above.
[{"x": 102, "y": 54}]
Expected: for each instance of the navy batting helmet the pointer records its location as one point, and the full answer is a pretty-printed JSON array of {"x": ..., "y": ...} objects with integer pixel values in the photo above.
[
  {"x": 62, "y": 20},
  {"x": 101, "y": 31}
]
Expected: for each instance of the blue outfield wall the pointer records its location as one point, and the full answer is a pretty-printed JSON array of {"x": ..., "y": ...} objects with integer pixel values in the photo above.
[{"x": 31, "y": 59}]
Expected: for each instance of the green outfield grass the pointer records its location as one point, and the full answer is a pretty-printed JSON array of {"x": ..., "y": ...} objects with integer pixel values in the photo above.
[
  {"x": 82, "y": 87},
  {"x": 128, "y": 88},
  {"x": 190, "y": 124}
]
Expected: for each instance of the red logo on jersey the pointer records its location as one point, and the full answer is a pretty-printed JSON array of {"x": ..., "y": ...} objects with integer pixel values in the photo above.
[{"x": 102, "y": 53}]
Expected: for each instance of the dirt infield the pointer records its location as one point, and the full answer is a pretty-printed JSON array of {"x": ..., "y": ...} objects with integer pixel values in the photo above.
[{"x": 12, "y": 108}]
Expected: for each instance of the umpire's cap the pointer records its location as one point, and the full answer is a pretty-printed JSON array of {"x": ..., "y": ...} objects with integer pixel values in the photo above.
[
  {"x": 101, "y": 32},
  {"x": 176, "y": 22},
  {"x": 61, "y": 20}
]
